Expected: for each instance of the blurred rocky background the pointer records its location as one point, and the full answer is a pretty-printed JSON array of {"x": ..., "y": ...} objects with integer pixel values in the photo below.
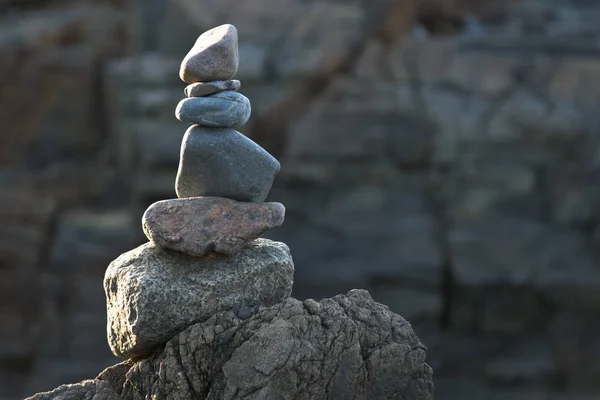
[{"x": 443, "y": 154}]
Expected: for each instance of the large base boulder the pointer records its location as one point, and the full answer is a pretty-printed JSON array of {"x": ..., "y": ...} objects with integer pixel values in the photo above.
[
  {"x": 153, "y": 293},
  {"x": 347, "y": 347}
]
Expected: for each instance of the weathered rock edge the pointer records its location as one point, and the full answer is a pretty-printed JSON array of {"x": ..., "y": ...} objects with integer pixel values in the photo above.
[{"x": 347, "y": 347}]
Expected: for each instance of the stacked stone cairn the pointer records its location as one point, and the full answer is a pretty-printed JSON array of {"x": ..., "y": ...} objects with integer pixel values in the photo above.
[{"x": 204, "y": 255}]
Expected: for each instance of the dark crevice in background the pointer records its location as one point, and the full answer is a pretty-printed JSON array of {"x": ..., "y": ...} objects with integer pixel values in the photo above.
[
  {"x": 437, "y": 208},
  {"x": 270, "y": 71},
  {"x": 447, "y": 291},
  {"x": 270, "y": 128},
  {"x": 388, "y": 36}
]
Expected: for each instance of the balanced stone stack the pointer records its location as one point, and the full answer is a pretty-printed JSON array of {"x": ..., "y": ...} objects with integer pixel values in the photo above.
[{"x": 204, "y": 255}]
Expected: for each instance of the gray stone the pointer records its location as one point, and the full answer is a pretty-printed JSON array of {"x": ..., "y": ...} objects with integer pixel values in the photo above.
[
  {"x": 219, "y": 225},
  {"x": 90, "y": 238},
  {"x": 357, "y": 234},
  {"x": 200, "y": 89},
  {"x": 152, "y": 294},
  {"x": 519, "y": 252},
  {"x": 345, "y": 347},
  {"x": 526, "y": 362},
  {"x": 214, "y": 57},
  {"x": 224, "y": 163},
  {"x": 507, "y": 270},
  {"x": 416, "y": 305},
  {"x": 90, "y": 389},
  {"x": 220, "y": 110}
]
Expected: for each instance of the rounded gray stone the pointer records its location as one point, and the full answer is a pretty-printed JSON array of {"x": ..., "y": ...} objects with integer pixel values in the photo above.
[
  {"x": 200, "y": 89},
  {"x": 220, "y": 110},
  {"x": 224, "y": 163},
  {"x": 214, "y": 57},
  {"x": 153, "y": 294}
]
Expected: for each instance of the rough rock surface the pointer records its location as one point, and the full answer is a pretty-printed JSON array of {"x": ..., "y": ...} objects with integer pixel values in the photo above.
[
  {"x": 86, "y": 390},
  {"x": 200, "y": 89},
  {"x": 152, "y": 293},
  {"x": 214, "y": 57},
  {"x": 220, "y": 110},
  {"x": 347, "y": 347},
  {"x": 224, "y": 163},
  {"x": 201, "y": 225}
]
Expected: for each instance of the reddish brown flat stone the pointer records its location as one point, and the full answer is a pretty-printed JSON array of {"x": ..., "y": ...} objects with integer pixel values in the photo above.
[{"x": 202, "y": 225}]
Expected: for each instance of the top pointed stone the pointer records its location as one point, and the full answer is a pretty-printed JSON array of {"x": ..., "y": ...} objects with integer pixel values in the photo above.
[{"x": 214, "y": 57}]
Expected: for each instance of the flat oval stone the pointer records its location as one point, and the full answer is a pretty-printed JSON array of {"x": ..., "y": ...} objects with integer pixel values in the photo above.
[
  {"x": 200, "y": 89},
  {"x": 220, "y": 110},
  {"x": 224, "y": 163},
  {"x": 201, "y": 225},
  {"x": 214, "y": 57}
]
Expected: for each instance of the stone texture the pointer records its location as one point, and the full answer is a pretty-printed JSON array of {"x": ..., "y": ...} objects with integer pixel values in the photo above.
[
  {"x": 415, "y": 305},
  {"x": 224, "y": 163},
  {"x": 88, "y": 390},
  {"x": 214, "y": 57},
  {"x": 152, "y": 293},
  {"x": 361, "y": 234},
  {"x": 201, "y": 225},
  {"x": 358, "y": 119},
  {"x": 510, "y": 274},
  {"x": 526, "y": 362},
  {"x": 221, "y": 110},
  {"x": 94, "y": 238},
  {"x": 346, "y": 347},
  {"x": 200, "y": 89}
]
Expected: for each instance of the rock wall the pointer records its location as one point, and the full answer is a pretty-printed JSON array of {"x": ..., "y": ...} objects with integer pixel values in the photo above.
[
  {"x": 59, "y": 225},
  {"x": 461, "y": 193},
  {"x": 448, "y": 166},
  {"x": 457, "y": 184}
]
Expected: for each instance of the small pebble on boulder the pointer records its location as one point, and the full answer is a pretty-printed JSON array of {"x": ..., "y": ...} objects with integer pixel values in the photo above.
[
  {"x": 200, "y": 225},
  {"x": 224, "y": 163},
  {"x": 200, "y": 89},
  {"x": 152, "y": 293},
  {"x": 220, "y": 110},
  {"x": 214, "y": 57}
]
